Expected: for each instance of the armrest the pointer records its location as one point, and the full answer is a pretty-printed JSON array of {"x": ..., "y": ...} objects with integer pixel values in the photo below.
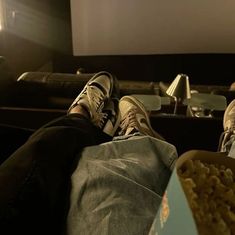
[{"x": 229, "y": 94}]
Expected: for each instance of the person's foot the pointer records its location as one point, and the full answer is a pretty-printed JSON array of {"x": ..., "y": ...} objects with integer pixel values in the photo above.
[
  {"x": 95, "y": 102},
  {"x": 229, "y": 127},
  {"x": 134, "y": 118}
]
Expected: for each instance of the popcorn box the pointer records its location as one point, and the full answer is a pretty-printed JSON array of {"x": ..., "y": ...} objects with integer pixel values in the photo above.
[{"x": 174, "y": 215}]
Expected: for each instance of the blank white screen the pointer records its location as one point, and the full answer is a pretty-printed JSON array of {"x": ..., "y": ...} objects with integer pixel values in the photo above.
[{"x": 122, "y": 27}]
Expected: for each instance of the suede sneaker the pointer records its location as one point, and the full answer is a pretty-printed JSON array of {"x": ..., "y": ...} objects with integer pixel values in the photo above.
[
  {"x": 229, "y": 128},
  {"x": 96, "y": 99},
  {"x": 134, "y": 118}
]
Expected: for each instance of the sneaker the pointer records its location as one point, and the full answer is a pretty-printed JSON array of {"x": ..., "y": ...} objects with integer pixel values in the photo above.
[
  {"x": 229, "y": 127},
  {"x": 134, "y": 118},
  {"x": 95, "y": 98}
]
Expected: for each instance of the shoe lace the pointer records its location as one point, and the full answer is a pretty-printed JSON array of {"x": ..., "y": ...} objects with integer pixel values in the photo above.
[
  {"x": 226, "y": 134},
  {"x": 129, "y": 120},
  {"x": 96, "y": 104},
  {"x": 222, "y": 140},
  {"x": 232, "y": 127}
]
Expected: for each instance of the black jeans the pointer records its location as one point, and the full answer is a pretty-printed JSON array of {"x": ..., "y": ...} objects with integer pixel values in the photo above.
[{"x": 35, "y": 179}]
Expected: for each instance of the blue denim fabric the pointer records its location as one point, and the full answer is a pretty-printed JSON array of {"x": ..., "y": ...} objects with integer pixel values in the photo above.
[{"x": 117, "y": 186}]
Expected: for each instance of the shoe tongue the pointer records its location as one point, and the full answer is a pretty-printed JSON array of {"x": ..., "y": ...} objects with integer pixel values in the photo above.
[{"x": 108, "y": 127}]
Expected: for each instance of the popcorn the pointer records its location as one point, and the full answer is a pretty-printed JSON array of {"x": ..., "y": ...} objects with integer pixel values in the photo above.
[{"x": 210, "y": 190}]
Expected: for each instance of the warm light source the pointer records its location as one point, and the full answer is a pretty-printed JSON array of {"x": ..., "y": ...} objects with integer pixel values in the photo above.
[
  {"x": 179, "y": 89},
  {"x": 1, "y": 15}
]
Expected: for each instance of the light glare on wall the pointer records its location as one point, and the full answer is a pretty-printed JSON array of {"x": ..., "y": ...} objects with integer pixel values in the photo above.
[{"x": 1, "y": 15}]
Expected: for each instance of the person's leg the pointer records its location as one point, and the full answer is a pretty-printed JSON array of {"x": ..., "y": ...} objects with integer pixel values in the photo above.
[
  {"x": 134, "y": 121},
  {"x": 36, "y": 176},
  {"x": 122, "y": 179},
  {"x": 34, "y": 180}
]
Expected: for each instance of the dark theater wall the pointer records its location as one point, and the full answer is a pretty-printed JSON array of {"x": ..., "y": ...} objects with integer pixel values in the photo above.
[
  {"x": 32, "y": 32},
  {"x": 204, "y": 69},
  {"x": 20, "y": 43}
]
